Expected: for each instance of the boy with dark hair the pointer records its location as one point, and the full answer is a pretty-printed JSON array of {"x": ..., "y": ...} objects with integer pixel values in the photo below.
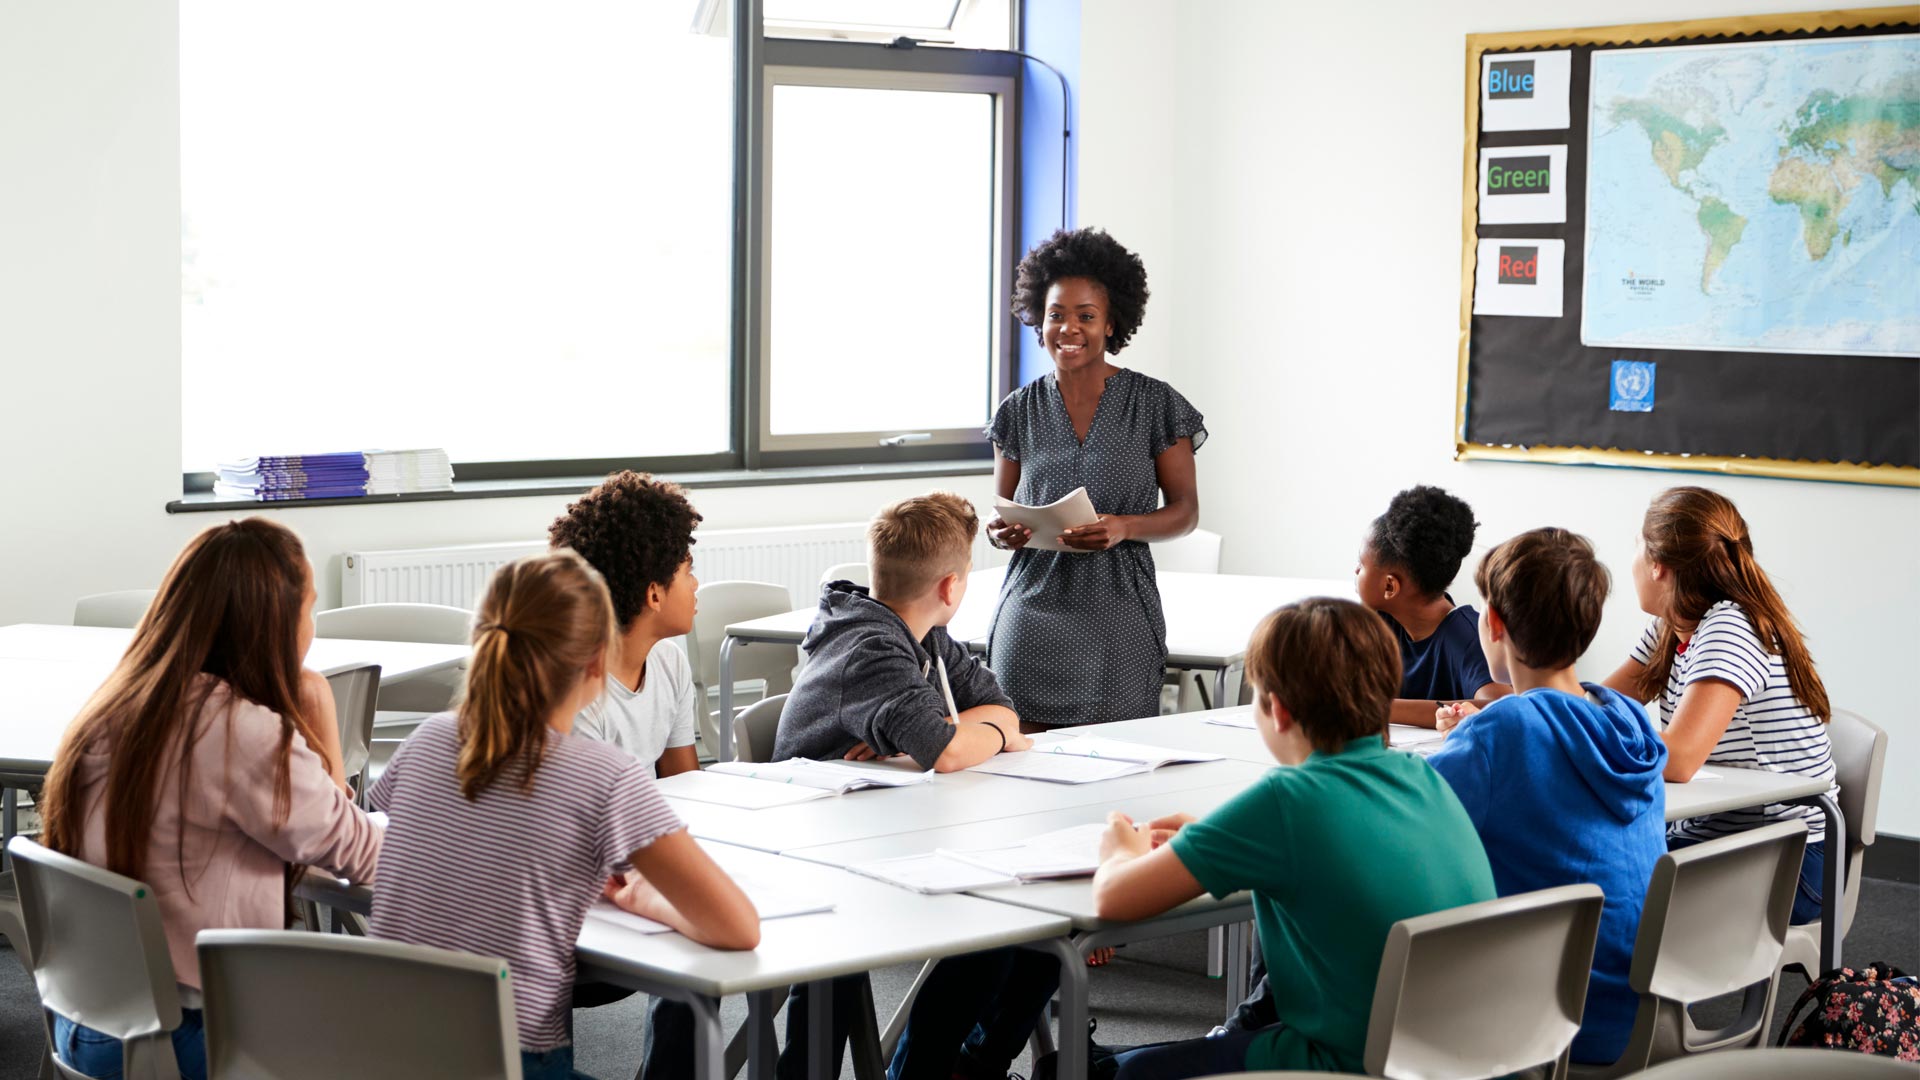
[
  {"x": 638, "y": 532},
  {"x": 1411, "y": 554},
  {"x": 1336, "y": 849},
  {"x": 1562, "y": 779}
]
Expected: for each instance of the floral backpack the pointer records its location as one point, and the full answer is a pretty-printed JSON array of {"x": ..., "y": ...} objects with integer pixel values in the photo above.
[{"x": 1870, "y": 1010}]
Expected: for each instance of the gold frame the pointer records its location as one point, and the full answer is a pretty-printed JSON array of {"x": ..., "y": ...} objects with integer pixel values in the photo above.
[{"x": 1478, "y": 44}]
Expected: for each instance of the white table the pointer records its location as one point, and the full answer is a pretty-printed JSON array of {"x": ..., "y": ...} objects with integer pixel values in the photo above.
[
  {"x": 47, "y": 674},
  {"x": 946, "y": 799},
  {"x": 1722, "y": 790},
  {"x": 873, "y": 925},
  {"x": 1209, "y": 618}
]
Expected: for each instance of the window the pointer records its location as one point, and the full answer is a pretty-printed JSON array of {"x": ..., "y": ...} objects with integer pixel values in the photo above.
[
  {"x": 885, "y": 261},
  {"x": 501, "y": 229}
]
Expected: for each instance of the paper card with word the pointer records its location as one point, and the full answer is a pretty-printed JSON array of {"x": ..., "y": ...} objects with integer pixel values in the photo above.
[
  {"x": 1523, "y": 185},
  {"x": 1519, "y": 277},
  {"x": 1525, "y": 91}
]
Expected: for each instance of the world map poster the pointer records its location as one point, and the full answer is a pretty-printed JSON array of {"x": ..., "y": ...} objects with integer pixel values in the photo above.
[{"x": 1755, "y": 197}]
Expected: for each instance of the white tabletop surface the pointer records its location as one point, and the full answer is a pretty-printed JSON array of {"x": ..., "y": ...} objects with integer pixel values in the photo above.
[
  {"x": 873, "y": 925},
  {"x": 948, "y": 798},
  {"x": 47, "y": 673},
  {"x": 1209, "y": 616},
  {"x": 1723, "y": 789}
]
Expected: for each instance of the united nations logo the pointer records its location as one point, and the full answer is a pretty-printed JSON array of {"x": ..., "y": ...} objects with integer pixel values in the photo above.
[{"x": 1632, "y": 386}]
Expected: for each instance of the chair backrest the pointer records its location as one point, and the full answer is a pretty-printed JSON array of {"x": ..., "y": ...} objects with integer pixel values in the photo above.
[
  {"x": 855, "y": 572},
  {"x": 1486, "y": 989},
  {"x": 99, "y": 951},
  {"x": 1794, "y": 1064},
  {"x": 721, "y": 603},
  {"x": 1860, "y": 760},
  {"x": 122, "y": 609},
  {"x": 432, "y": 624},
  {"x": 1716, "y": 914},
  {"x": 1198, "y": 552},
  {"x": 355, "y": 687},
  {"x": 415, "y": 1011},
  {"x": 755, "y": 729}
]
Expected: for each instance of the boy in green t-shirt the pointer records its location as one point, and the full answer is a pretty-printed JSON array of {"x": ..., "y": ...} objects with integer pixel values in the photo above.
[{"x": 1336, "y": 849}]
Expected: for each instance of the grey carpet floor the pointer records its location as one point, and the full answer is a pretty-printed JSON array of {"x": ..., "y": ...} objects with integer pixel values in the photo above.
[{"x": 1152, "y": 991}]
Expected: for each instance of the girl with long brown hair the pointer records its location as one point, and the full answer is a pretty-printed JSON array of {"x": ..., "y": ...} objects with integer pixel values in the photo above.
[
  {"x": 1727, "y": 669},
  {"x": 208, "y": 762},
  {"x": 507, "y": 826}
]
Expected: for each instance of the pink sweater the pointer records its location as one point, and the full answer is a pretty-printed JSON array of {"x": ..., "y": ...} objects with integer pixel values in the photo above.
[{"x": 235, "y": 857}]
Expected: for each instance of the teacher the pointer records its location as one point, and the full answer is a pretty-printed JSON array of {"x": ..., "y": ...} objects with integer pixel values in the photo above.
[{"x": 1078, "y": 636}]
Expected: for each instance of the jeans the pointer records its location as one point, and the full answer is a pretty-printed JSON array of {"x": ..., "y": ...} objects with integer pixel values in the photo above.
[
  {"x": 1223, "y": 1053},
  {"x": 554, "y": 1064},
  {"x": 1806, "y": 896},
  {"x": 97, "y": 1055},
  {"x": 974, "y": 1015}
]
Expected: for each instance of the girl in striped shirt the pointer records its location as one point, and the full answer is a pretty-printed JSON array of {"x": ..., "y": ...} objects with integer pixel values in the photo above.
[
  {"x": 506, "y": 826},
  {"x": 1726, "y": 666}
]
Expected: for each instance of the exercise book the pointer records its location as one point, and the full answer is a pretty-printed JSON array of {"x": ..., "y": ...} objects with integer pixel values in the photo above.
[
  {"x": 1064, "y": 853},
  {"x": 770, "y": 900}
]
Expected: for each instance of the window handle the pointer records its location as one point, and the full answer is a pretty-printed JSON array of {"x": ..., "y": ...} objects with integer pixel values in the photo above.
[{"x": 902, "y": 440}]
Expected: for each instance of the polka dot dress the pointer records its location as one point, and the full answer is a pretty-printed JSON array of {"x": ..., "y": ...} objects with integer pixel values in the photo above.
[{"x": 1079, "y": 637}]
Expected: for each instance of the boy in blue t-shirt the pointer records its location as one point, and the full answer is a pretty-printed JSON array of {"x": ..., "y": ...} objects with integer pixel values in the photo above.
[
  {"x": 1350, "y": 839},
  {"x": 1410, "y": 556},
  {"x": 1563, "y": 778}
]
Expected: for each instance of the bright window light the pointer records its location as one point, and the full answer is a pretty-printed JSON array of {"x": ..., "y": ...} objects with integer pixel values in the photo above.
[
  {"x": 500, "y": 228},
  {"x": 881, "y": 249},
  {"x": 929, "y": 14}
]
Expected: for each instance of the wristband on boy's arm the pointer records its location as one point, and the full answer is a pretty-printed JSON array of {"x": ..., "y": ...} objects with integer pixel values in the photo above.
[{"x": 1002, "y": 732}]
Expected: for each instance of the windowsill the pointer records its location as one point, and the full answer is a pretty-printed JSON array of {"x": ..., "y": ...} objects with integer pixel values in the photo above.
[{"x": 205, "y": 502}]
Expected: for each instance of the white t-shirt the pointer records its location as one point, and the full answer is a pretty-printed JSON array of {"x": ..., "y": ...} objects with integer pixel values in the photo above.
[
  {"x": 652, "y": 720},
  {"x": 1771, "y": 729}
]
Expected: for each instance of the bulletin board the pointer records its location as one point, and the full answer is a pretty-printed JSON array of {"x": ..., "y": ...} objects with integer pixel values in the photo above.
[{"x": 1695, "y": 245}]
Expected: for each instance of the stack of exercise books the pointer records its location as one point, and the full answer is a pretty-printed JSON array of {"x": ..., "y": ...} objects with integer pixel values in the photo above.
[{"x": 354, "y": 473}]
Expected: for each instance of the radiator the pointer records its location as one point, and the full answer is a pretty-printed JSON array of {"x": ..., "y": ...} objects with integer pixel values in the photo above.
[{"x": 794, "y": 556}]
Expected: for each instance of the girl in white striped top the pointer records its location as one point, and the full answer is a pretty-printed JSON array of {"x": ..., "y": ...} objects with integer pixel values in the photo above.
[
  {"x": 1727, "y": 669},
  {"x": 506, "y": 826}
]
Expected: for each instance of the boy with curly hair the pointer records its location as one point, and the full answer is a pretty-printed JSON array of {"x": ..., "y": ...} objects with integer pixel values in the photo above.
[
  {"x": 638, "y": 532},
  {"x": 1411, "y": 554}
]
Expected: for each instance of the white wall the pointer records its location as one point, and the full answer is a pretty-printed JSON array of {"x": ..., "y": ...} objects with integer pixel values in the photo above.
[
  {"x": 90, "y": 332},
  {"x": 1303, "y": 203}
]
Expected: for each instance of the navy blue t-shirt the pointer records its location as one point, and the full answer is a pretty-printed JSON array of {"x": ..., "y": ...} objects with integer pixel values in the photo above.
[{"x": 1448, "y": 665}]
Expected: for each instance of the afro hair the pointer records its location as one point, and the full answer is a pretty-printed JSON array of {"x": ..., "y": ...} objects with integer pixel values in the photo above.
[
  {"x": 1427, "y": 533},
  {"x": 1087, "y": 253},
  {"x": 635, "y": 530}
]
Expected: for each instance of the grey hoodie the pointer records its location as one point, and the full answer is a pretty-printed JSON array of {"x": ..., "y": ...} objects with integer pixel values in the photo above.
[{"x": 869, "y": 682}]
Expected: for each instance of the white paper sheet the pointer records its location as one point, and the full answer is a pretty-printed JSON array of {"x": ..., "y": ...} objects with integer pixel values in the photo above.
[
  {"x": 707, "y": 786},
  {"x": 1047, "y": 522},
  {"x": 835, "y": 776},
  {"x": 1070, "y": 852},
  {"x": 1519, "y": 277},
  {"x": 1057, "y": 768},
  {"x": 1523, "y": 185},
  {"x": 772, "y": 901},
  {"x": 1099, "y": 746},
  {"x": 1525, "y": 91},
  {"x": 932, "y": 873},
  {"x": 1406, "y": 735},
  {"x": 1242, "y": 718}
]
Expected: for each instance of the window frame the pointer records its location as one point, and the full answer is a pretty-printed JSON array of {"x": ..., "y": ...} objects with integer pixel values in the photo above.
[{"x": 752, "y": 447}]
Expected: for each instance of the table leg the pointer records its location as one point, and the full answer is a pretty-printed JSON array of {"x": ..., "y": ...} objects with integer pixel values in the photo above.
[
  {"x": 820, "y": 1049},
  {"x": 1071, "y": 1062},
  {"x": 864, "y": 1037},
  {"x": 9, "y": 822},
  {"x": 1220, "y": 687},
  {"x": 709, "y": 1042},
  {"x": 1216, "y": 952},
  {"x": 724, "y": 723},
  {"x": 1238, "y": 968},
  {"x": 763, "y": 1047},
  {"x": 1833, "y": 884}
]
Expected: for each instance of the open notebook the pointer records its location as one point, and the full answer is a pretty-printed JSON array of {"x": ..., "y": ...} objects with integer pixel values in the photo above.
[
  {"x": 1065, "y": 758},
  {"x": 772, "y": 901},
  {"x": 759, "y": 785},
  {"x": 1064, "y": 853}
]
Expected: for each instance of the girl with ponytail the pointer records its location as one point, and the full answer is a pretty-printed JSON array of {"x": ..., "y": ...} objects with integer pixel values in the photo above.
[
  {"x": 208, "y": 763},
  {"x": 1727, "y": 667},
  {"x": 506, "y": 826}
]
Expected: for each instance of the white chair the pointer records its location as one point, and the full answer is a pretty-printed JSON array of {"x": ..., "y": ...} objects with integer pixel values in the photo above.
[
  {"x": 1860, "y": 759},
  {"x": 1198, "y": 552},
  {"x": 1486, "y": 989},
  {"x": 13, "y": 927},
  {"x": 855, "y": 572},
  {"x": 102, "y": 960},
  {"x": 355, "y": 687},
  {"x": 403, "y": 703},
  {"x": 1714, "y": 922},
  {"x": 123, "y": 609},
  {"x": 756, "y": 728},
  {"x": 416, "y": 1011},
  {"x": 718, "y": 605},
  {"x": 1798, "y": 1064}
]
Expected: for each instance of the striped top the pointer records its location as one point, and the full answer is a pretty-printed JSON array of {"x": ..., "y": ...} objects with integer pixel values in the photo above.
[
  {"x": 511, "y": 873},
  {"x": 1770, "y": 729}
]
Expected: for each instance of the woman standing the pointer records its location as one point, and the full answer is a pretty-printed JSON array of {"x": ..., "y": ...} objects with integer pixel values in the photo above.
[{"x": 1078, "y": 635}]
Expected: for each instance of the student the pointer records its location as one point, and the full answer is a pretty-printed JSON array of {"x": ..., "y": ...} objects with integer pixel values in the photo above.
[
  {"x": 1562, "y": 778},
  {"x": 507, "y": 826},
  {"x": 207, "y": 763},
  {"x": 1411, "y": 554},
  {"x": 638, "y": 532},
  {"x": 884, "y": 678},
  {"x": 1726, "y": 663},
  {"x": 1350, "y": 840}
]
